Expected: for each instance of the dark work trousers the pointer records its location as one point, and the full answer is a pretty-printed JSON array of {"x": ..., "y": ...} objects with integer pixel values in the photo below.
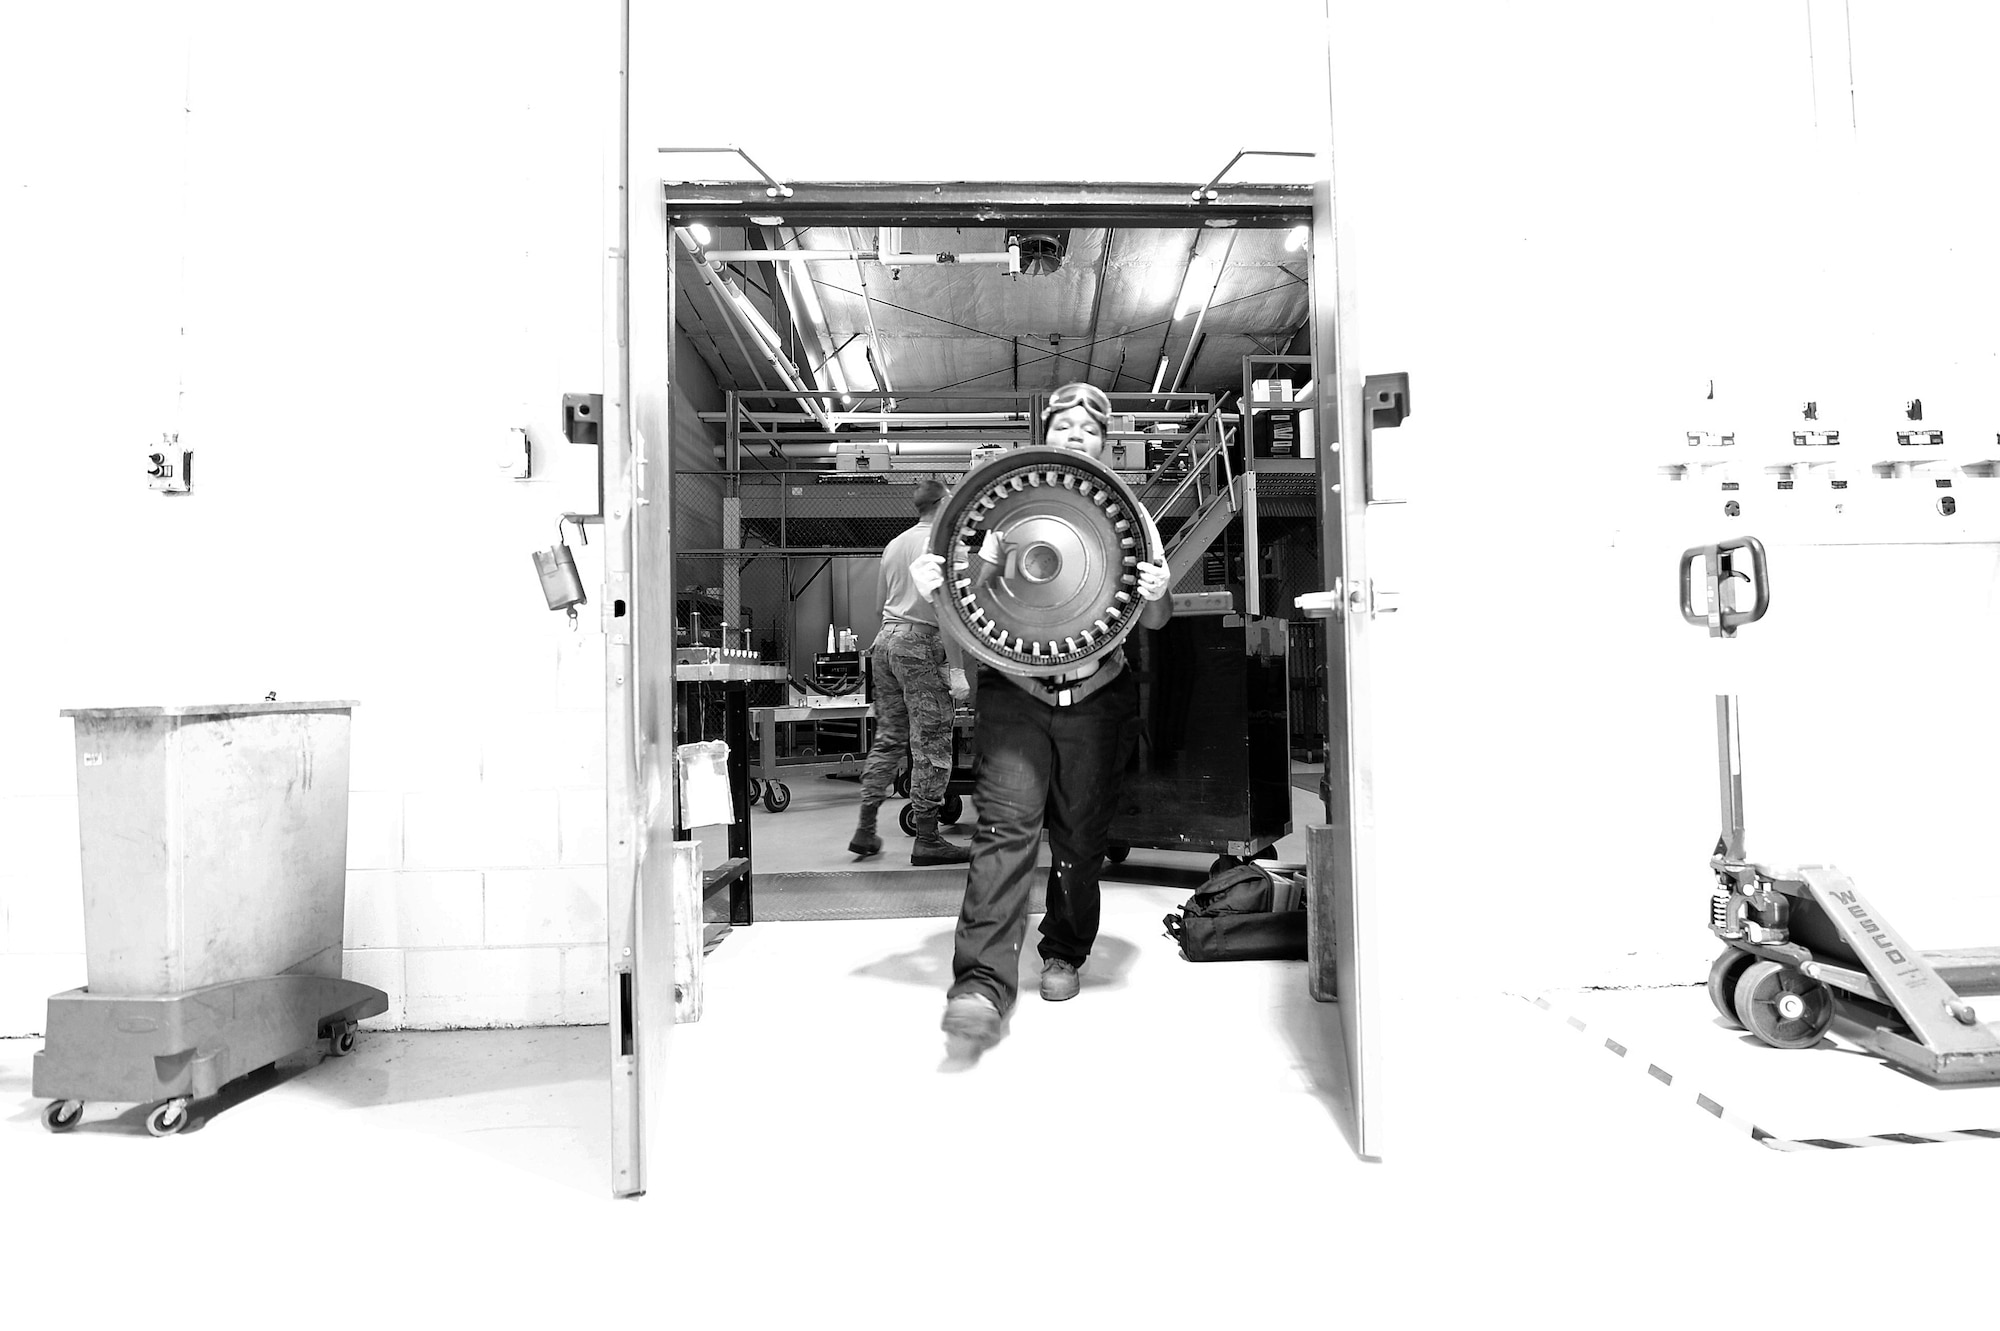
[{"x": 1039, "y": 764}]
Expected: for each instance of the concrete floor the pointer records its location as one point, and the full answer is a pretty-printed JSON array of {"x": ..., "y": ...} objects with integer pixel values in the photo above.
[
  {"x": 1170, "y": 1149},
  {"x": 1167, "y": 1150}
]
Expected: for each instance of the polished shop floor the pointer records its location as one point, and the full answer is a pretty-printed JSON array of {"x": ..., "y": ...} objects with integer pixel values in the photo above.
[{"x": 1169, "y": 1149}]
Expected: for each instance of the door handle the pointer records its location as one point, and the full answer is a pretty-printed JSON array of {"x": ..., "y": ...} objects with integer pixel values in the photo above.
[{"x": 1366, "y": 602}]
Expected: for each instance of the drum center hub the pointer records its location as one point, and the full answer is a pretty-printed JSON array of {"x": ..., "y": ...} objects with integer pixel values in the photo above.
[{"x": 1040, "y": 562}]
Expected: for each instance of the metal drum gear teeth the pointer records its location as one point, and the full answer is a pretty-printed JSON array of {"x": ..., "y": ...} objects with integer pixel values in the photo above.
[{"x": 1064, "y": 589}]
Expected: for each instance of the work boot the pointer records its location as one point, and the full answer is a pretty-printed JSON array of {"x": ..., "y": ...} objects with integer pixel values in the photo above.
[
  {"x": 971, "y": 1024},
  {"x": 865, "y": 842},
  {"x": 1059, "y": 980},
  {"x": 930, "y": 848}
]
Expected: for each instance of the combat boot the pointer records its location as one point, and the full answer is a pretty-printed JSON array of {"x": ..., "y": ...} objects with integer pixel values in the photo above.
[
  {"x": 931, "y": 848},
  {"x": 865, "y": 842}
]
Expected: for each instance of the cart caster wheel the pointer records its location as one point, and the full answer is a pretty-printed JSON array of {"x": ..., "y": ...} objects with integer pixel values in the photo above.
[
  {"x": 902, "y": 784},
  {"x": 756, "y": 790},
  {"x": 1783, "y": 1006},
  {"x": 62, "y": 1115},
  {"x": 341, "y": 1044},
  {"x": 777, "y": 796},
  {"x": 1723, "y": 974},
  {"x": 1117, "y": 851},
  {"x": 907, "y": 820},
  {"x": 952, "y": 808},
  {"x": 1223, "y": 862},
  {"x": 167, "y": 1118}
]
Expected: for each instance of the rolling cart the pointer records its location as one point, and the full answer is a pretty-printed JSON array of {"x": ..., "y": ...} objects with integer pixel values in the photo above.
[
  {"x": 214, "y": 848},
  {"x": 1804, "y": 952}
]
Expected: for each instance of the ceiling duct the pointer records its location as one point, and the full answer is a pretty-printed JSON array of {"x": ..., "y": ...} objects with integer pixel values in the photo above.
[{"x": 1041, "y": 251}]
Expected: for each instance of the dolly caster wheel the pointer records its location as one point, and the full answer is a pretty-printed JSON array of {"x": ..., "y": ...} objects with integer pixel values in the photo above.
[
  {"x": 1723, "y": 974},
  {"x": 1223, "y": 862},
  {"x": 902, "y": 783},
  {"x": 1783, "y": 1006},
  {"x": 167, "y": 1118},
  {"x": 907, "y": 820},
  {"x": 777, "y": 796},
  {"x": 953, "y": 807},
  {"x": 62, "y": 1115},
  {"x": 341, "y": 1043}
]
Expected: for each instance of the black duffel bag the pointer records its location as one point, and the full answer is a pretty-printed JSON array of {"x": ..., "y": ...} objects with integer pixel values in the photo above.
[{"x": 1229, "y": 918}]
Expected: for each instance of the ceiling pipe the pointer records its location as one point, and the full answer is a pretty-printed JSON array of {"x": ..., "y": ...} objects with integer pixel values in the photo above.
[
  {"x": 1166, "y": 338},
  {"x": 925, "y": 418},
  {"x": 728, "y": 314},
  {"x": 1194, "y": 337},
  {"x": 736, "y": 307},
  {"x": 1011, "y": 257},
  {"x": 1097, "y": 306},
  {"x": 799, "y": 289},
  {"x": 871, "y": 354}
]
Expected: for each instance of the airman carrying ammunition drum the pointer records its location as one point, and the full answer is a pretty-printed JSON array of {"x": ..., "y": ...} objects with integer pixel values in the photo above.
[{"x": 1065, "y": 588}]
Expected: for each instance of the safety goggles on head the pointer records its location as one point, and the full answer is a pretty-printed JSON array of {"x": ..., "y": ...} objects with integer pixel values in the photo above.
[{"x": 1088, "y": 396}]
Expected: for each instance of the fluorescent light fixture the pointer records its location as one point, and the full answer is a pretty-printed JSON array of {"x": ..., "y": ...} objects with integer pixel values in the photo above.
[
  {"x": 768, "y": 220},
  {"x": 1295, "y": 239},
  {"x": 700, "y": 233}
]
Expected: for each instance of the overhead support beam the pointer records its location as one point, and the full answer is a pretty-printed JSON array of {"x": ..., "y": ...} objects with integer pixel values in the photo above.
[{"x": 993, "y": 203}]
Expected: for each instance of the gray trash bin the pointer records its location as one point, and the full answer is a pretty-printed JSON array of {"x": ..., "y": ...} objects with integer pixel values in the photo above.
[{"x": 214, "y": 846}]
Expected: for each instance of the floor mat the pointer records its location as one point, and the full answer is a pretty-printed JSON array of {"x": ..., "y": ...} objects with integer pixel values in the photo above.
[{"x": 892, "y": 894}]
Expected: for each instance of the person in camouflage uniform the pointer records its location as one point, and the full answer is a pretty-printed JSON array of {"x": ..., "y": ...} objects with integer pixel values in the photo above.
[{"x": 916, "y": 691}]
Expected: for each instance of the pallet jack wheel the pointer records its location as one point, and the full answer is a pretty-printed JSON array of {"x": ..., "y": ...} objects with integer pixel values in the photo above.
[
  {"x": 62, "y": 1115},
  {"x": 1723, "y": 974},
  {"x": 167, "y": 1118},
  {"x": 1783, "y": 1006},
  {"x": 777, "y": 796}
]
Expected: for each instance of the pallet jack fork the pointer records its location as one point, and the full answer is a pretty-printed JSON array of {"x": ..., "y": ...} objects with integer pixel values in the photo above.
[{"x": 1804, "y": 948}]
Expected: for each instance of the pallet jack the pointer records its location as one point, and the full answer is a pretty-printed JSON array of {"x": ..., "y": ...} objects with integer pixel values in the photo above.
[{"x": 1804, "y": 949}]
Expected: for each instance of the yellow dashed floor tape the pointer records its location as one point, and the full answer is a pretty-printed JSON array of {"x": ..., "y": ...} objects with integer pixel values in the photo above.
[{"x": 1745, "y": 1126}]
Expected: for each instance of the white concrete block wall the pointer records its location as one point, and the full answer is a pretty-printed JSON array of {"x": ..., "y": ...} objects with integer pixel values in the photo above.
[{"x": 347, "y": 314}]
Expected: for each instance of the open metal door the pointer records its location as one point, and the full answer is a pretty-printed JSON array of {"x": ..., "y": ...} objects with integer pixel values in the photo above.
[
  {"x": 644, "y": 862},
  {"x": 1346, "y": 935}
]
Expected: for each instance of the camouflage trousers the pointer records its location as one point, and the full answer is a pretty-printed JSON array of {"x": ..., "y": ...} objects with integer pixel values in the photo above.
[{"x": 913, "y": 711}]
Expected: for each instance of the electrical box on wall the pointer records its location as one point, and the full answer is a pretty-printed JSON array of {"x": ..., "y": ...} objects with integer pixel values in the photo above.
[
  {"x": 861, "y": 457},
  {"x": 1813, "y": 471},
  {"x": 169, "y": 467}
]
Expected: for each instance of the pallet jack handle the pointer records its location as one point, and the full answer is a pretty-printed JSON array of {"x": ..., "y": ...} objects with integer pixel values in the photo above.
[
  {"x": 1721, "y": 564},
  {"x": 1722, "y": 619}
]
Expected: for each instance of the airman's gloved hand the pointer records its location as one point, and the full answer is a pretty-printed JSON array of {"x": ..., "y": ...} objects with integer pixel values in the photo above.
[
  {"x": 1152, "y": 581},
  {"x": 927, "y": 572}
]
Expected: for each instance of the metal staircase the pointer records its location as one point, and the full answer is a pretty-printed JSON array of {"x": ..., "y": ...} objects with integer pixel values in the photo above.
[{"x": 1197, "y": 485}]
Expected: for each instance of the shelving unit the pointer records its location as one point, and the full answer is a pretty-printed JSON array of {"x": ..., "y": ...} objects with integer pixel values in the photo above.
[{"x": 1257, "y": 417}]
